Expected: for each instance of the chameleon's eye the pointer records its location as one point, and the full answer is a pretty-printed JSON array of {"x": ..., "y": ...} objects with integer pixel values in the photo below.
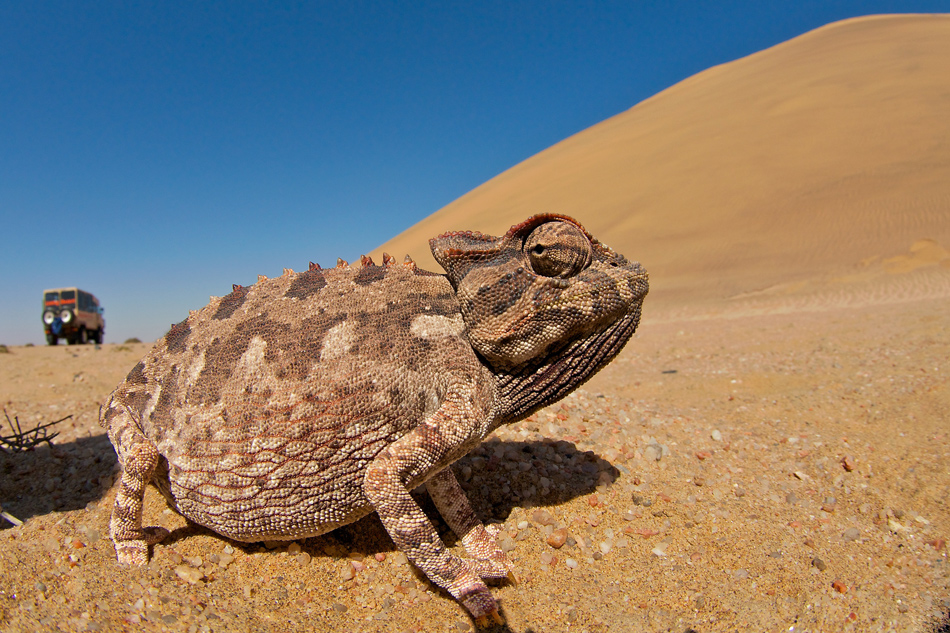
[{"x": 558, "y": 249}]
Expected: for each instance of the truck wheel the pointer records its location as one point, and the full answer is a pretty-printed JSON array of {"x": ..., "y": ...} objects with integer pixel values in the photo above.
[
  {"x": 83, "y": 336},
  {"x": 97, "y": 336},
  {"x": 51, "y": 340}
]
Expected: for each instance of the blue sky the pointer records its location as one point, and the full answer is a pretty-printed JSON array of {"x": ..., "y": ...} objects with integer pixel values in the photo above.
[{"x": 154, "y": 153}]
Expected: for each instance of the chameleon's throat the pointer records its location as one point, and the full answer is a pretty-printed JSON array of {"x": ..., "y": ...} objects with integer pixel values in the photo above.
[{"x": 524, "y": 390}]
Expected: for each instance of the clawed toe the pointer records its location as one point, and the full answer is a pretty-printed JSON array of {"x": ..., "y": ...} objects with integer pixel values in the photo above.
[
  {"x": 479, "y": 602},
  {"x": 482, "y": 621}
]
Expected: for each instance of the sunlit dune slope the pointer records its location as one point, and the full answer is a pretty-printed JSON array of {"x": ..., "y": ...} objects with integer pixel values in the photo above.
[{"x": 818, "y": 163}]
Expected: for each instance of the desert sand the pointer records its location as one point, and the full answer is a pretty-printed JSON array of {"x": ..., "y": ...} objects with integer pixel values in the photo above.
[{"x": 769, "y": 453}]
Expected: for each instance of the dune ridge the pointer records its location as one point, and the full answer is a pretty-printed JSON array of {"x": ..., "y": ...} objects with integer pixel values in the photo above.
[{"x": 797, "y": 162}]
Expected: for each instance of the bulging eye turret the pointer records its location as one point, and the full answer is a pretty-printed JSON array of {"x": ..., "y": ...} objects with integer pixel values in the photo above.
[{"x": 557, "y": 249}]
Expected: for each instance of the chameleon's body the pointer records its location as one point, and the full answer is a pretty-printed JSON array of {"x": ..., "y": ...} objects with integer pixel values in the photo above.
[{"x": 304, "y": 402}]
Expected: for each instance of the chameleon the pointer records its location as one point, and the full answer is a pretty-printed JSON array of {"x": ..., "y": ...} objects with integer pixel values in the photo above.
[{"x": 304, "y": 402}]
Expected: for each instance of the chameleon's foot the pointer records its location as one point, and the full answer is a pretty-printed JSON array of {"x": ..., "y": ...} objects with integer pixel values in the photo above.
[
  {"x": 493, "y": 529},
  {"x": 481, "y": 605},
  {"x": 512, "y": 578},
  {"x": 493, "y": 569},
  {"x": 482, "y": 621},
  {"x": 135, "y": 552}
]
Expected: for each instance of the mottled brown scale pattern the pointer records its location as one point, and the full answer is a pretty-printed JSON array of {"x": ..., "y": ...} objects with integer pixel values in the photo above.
[
  {"x": 304, "y": 402},
  {"x": 306, "y": 284},
  {"x": 231, "y": 303}
]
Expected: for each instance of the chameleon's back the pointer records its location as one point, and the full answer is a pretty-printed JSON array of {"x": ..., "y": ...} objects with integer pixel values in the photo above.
[{"x": 267, "y": 404}]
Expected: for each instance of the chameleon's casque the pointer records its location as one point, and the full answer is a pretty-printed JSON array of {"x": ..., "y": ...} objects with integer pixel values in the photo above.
[{"x": 302, "y": 403}]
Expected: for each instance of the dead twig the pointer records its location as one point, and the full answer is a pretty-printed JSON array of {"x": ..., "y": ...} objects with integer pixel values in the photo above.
[{"x": 25, "y": 440}]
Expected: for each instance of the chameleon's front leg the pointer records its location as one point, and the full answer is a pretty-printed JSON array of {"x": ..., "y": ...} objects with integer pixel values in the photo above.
[{"x": 457, "y": 421}]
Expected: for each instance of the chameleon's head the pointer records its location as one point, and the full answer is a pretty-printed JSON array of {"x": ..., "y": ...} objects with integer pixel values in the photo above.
[{"x": 544, "y": 288}]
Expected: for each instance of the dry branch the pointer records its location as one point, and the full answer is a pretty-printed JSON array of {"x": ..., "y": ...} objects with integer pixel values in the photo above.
[{"x": 25, "y": 440}]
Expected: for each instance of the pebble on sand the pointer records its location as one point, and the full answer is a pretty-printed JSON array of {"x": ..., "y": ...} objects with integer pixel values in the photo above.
[
  {"x": 189, "y": 574},
  {"x": 557, "y": 538},
  {"x": 542, "y": 517}
]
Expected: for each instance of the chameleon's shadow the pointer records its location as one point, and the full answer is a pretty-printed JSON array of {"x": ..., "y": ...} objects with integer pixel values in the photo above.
[
  {"x": 497, "y": 477},
  {"x": 61, "y": 477}
]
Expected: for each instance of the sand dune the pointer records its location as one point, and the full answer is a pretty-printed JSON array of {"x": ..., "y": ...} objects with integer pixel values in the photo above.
[{"x": 805, "y": 160}]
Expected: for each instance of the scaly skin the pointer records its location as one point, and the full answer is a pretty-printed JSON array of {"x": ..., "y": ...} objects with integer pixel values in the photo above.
[{"x": 302, "y": 403}]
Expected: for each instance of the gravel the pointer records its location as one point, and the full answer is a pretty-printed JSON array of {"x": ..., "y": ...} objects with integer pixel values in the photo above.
[{"x": 818, "y": 498}]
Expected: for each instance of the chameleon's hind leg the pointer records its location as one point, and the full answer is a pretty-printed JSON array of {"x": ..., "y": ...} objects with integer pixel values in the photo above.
[
  {"x": 488, "y": 561},
  {"x": 139, "y": 459}
]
